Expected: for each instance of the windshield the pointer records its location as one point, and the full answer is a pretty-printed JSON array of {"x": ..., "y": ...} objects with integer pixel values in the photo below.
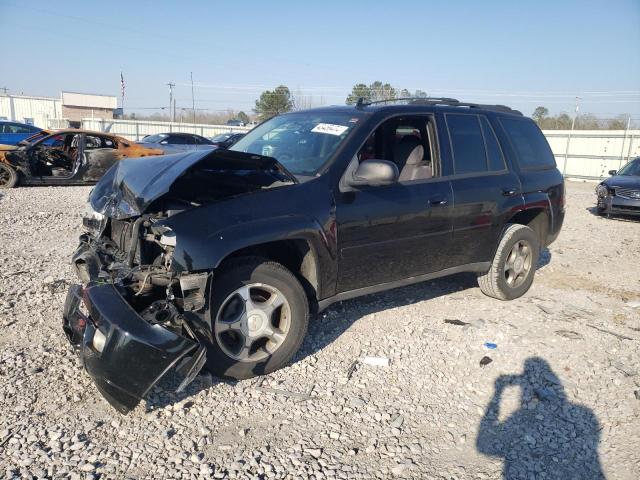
[
  {"x": 154, "y": 138},
  {"x": 303, "y": 142},
  {"x": 631, "y": 169},
  {"x": 222, "y": 137},
  {"x": 34, "y": 138}
]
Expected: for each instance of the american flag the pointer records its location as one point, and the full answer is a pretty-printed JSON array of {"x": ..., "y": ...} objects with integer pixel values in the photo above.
[{"x": 121, "y": 85}]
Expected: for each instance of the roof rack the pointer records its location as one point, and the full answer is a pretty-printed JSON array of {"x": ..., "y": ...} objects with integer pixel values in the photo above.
[{"x": 450, "y": 102}]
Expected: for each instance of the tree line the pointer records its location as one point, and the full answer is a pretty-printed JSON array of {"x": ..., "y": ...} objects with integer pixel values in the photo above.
[
  {"x": 281, "y": 100},
  {"x": 585, "y": 121}
]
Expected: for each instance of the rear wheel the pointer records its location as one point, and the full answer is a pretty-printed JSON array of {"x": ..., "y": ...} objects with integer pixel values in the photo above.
[
  {"x": 514, "y": 265},
  {"x": 8, "y": 176},
  {"x": 259, "y": 317}
]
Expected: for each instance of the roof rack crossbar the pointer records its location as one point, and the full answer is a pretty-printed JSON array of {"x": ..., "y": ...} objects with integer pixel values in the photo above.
[{"x": 451, "y": 102}]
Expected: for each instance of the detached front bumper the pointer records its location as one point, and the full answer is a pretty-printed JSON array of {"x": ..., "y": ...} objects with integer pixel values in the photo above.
[
  {"x": 124, "y": 354},
  {"x": 615, "y": 205}
]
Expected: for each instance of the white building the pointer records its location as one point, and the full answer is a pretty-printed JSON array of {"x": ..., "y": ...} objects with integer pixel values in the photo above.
[{"x": 50, "y": 112}]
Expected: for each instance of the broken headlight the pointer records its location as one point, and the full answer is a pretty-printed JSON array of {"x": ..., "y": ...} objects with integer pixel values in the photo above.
[
  {"x": 167, "y": 237},
  {"x": 92, "y": 221},
  {"x": 602, "y": 190}
]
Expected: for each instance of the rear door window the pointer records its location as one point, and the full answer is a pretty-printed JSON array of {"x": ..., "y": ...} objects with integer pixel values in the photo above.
[
  {"x": 531, "y": 148},
  {"x": 16, "y": 128},
  {"x": 494, "y": 153},
  {"x": 180, "y": 140},
  {"x": 92, "y": 142},
  {"x": 467, "y": 143}
]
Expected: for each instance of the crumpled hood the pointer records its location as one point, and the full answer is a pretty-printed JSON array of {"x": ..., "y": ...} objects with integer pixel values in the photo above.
[
  {"x": 624, "y": 181},
  {"x": 6, "y": 148},
  {"x": 131, "y": 185}
]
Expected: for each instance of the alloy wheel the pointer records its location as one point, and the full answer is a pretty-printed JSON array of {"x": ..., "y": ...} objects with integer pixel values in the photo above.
[
  {"x": 252, "y": 322},
  {"x": 518, "y": 264}
]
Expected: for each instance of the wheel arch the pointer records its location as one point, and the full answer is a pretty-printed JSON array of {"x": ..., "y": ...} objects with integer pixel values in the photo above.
[
  {"x": 537, "y": 218},
  {"x": 298, "y": 255}
]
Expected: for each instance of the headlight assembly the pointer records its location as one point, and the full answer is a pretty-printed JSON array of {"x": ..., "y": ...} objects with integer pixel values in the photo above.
[
  {"x": 92, "y": 220},
  {"x": 602, "y": 191}
]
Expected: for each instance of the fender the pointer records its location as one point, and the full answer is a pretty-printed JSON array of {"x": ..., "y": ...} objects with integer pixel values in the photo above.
[
  {"x": 194, "y": 254},
  {"x": 541, "y": 200},
  {"x": 532, "y": 200}
]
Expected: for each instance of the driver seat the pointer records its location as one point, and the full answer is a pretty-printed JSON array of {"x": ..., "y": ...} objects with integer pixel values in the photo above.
[{"x": 408, "y": 154}]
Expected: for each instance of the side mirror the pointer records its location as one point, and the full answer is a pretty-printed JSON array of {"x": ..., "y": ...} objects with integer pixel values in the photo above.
[
  {"x": 374, "y": 173},
  {"x": 612, "y": 172}
]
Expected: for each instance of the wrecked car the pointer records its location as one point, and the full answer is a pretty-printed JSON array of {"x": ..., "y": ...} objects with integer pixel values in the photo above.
[
  {"x": 65, "y": 157},
  {"x": 218, "y": 258},
  {"x": 620, "y": 193}
]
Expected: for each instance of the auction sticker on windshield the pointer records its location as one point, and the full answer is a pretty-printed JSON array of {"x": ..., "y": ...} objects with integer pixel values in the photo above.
[{"x": 329, "y": 128}]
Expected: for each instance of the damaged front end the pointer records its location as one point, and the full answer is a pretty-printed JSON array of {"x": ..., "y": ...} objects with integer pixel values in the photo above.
[
  {"x": 138, "y": 314},
  {"x": 133, "y": 319}
]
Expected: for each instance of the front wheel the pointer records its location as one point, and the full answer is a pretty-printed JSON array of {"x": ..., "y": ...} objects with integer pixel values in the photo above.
[
  {"x": 8, "y": 176},
  {"x": 514, "y": 264},
  {"x": 259, "y": 317}
]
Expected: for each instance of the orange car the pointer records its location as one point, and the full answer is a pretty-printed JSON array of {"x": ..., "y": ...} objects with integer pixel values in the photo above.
[{"x": 65, "y": 157}]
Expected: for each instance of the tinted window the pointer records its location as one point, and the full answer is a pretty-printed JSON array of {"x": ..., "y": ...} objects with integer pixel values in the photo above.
[
  {"x": 180, "y": 140},
  {"x": 494, "y": 154},
  {"x": 469, "y": 155},
  {"x": 531, "y": 147}
]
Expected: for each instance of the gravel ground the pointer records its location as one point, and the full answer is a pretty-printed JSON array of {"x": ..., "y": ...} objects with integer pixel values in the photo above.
[{"x": 560, "y": 399}]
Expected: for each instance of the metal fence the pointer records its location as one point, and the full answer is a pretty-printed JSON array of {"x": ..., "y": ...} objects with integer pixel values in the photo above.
[
  {"x": 137, "y": 129},
  {"x": 586, "y": 154},
  {"x": 592, "y": 153}
]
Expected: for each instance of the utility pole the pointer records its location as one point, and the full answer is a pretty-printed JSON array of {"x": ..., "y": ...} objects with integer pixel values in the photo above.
[
  {"x": 573, "y": 124},
  {"x": 193, "y": 100},
  {"x": 624, "y": 140},
  {"x": 171, "y": 102}
]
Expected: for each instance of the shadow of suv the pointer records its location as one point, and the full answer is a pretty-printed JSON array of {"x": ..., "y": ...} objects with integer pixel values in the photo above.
[{"x": 218, "y": 257}]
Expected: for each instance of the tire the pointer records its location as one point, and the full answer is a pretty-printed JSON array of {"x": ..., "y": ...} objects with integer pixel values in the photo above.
[
  {"x": 8, "y": 176},
  {"x": 264, "y": 279},
  {"x": 503, "y": 283}
]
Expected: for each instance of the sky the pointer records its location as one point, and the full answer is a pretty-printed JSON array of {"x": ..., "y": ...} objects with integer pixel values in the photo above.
[{"x": 522, "y": 54}]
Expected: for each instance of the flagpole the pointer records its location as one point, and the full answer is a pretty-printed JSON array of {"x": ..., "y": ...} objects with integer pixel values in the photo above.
[{"x": 122, "y": 93}]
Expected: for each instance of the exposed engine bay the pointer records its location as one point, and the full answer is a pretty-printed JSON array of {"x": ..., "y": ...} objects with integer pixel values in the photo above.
[{"x": 137, "y": 315}]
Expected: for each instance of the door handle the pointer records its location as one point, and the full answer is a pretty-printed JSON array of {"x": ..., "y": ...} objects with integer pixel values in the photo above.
[
  {"x": 437, "y": 201},
  {"x": 509, "y": 191}
]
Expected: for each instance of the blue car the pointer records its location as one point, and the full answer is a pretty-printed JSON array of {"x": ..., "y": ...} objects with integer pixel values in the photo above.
[{"x": 11, "y": 133}]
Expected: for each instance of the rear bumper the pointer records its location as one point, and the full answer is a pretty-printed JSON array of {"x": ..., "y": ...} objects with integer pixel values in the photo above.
[
  {"x": 617, "y": 205},
  {"x": 129, "y": 355}
]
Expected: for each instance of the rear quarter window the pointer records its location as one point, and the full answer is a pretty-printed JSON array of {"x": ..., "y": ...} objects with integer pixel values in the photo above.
[{"x": 531, "y": 148}]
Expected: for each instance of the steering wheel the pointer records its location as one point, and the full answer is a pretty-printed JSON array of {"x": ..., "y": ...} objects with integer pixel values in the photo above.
[
  {"x": 285, "y": 157},
  {"x": 57, "y": 158}
]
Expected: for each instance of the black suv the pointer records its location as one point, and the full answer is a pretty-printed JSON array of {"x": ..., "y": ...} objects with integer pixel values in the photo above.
[{"x": 218, "y": 257}]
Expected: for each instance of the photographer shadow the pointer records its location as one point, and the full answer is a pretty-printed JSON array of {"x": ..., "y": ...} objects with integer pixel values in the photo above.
[{"x": 547, "y": 436}]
